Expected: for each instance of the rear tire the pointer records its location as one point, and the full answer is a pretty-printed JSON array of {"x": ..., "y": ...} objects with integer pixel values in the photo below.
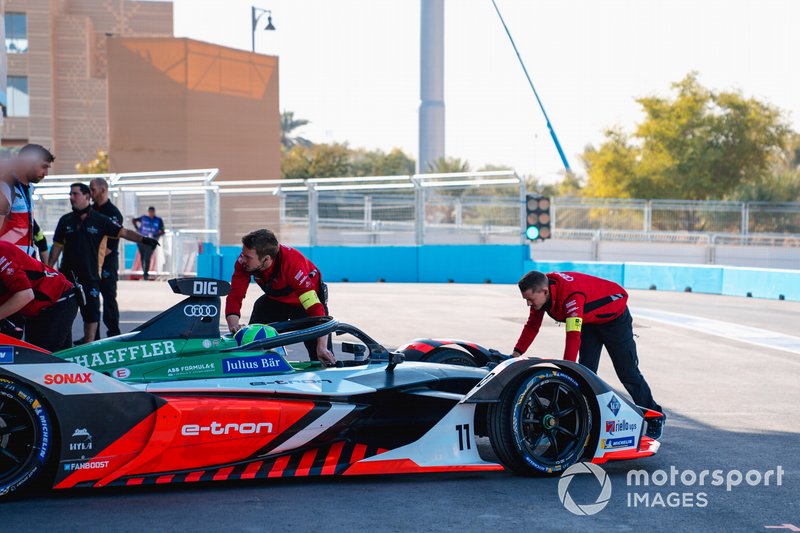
[
  {"x": 541, "y": 425},
  {"x": 26, "y": 437},
  {"x": 451, "y": 356}
]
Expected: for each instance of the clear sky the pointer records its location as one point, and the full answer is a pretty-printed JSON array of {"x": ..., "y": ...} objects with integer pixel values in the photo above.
[{"x": 352, "y": 66}]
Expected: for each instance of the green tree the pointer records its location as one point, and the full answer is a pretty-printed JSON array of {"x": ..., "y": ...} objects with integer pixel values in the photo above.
[
  {"x": 697, "y": 144},
  {"x": 288, "y": 125},
  {"x": 98, "y": 165},
  {"x": 782, "y": 183},
  {"x": 338, "y": 160},
  {"x": 379, "y": 163},
  {"x": 316, "y": 161},
  {"x": 445, "y": 165}
]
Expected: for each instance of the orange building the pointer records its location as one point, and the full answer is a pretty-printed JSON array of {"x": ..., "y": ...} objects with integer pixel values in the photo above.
[{"x": 86, "y": 74}]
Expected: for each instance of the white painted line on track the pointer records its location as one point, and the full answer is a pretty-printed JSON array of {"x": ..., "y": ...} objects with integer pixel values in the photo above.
[{"x": 728, "y": 330}]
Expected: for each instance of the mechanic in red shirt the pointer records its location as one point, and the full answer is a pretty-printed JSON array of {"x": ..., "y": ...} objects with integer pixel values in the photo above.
[
  {"x": 40, "y": 294},
  {"x": 292, "y": 285},
  {"x": 29, "y": 167},
  {"x": 596, "y": 314}
]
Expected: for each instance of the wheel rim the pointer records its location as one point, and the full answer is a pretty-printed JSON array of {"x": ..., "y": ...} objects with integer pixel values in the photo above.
[
  {"x": 17, "y": 437},
  {"x": 550, "y": 422}
]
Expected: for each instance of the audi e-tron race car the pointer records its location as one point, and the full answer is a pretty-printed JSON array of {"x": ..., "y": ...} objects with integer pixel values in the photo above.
[{"x": 146, "y": 407}]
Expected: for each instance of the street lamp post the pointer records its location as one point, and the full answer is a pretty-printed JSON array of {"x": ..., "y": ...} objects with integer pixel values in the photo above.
[{"x": 256, "y": 14}]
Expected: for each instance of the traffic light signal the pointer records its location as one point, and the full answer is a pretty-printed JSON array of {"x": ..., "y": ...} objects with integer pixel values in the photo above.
[{"x": 537, "y": 220}]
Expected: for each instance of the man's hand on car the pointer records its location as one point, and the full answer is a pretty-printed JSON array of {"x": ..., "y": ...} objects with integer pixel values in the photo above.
[
  {"x": 233, "y": 323},
  {"x": 325, "y": 356}
]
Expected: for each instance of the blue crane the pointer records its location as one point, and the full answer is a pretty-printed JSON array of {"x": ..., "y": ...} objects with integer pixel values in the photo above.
[{"x": 536, "y": 94}]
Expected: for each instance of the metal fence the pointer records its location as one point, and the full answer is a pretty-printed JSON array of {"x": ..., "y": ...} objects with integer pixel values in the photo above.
[
  {"x": 752, "y": 250},
  {"x": 676, "y": 215},
  {"x": 187, "y": 200},
  {"x": 461, "y": 208}
]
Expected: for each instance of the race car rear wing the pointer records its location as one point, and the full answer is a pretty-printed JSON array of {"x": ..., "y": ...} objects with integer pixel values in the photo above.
[
  {"x": 196, "y": 317},
  {"x": 200, "y": 287}
]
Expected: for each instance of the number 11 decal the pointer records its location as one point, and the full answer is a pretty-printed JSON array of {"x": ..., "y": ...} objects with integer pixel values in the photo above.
[{"x": 463, "y": 437}]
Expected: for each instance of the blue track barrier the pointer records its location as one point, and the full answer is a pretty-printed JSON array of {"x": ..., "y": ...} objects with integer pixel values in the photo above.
[{"x": 507, "y": 263}]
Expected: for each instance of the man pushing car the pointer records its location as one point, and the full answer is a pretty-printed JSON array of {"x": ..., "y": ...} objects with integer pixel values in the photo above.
[
  {"x": 596, "y": 314},
  {"x": 292, "y": 285}
]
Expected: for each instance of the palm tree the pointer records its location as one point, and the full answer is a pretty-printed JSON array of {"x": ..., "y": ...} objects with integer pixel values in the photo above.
[
  {"x": 288, "y": 125},
  {"x": 445, "y": 165}
]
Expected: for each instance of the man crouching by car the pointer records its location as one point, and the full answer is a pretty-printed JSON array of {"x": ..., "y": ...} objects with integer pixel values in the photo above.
[
  {"x": 40, "y": 294},
  {"x": 292, "y": 285}
]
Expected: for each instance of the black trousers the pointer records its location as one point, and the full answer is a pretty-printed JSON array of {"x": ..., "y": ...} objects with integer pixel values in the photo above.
[
  {"x": 52, "y": 328},
  {"x": 90, "y": 312},
  {"x": 108, "y": 289},
  {"x": 145, "y": 253},
  {"x": 617, "y": 337},
  {"x": 266, "y": 310}
]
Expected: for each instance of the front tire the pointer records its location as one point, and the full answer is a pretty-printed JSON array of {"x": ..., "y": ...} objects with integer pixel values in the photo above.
[
  {"x": 26, "y": 437},
  {"x": 541, "y": 425}
]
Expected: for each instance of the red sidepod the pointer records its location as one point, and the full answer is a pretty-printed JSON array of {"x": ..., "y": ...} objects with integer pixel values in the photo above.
[{"x": 192, "y": 432}]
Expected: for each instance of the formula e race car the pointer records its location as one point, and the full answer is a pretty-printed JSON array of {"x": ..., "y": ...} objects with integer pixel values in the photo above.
[{"x": 173, "y": 401}]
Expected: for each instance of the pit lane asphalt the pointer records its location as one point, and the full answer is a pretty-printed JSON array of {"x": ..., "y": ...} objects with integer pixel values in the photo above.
[{"x": 731, "y": 405}]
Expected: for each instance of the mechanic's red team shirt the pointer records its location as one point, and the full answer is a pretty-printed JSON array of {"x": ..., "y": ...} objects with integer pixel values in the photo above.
[
  {"x": 575, "y": 299},
  {"x": 19, "y": 271},
  {"x": 291, "y": 279},
  {"x": 17, "y": 228}
]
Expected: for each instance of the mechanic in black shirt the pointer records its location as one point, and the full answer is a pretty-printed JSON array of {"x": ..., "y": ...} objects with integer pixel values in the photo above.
[
  {"x": 109, "y": 273},
  {"x": 83, "y": 236}
]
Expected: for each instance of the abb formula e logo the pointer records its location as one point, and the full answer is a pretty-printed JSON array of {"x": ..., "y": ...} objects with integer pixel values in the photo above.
[
  {"x": 65, "y": 379},
  {"x": 200, "y": 310},
  {"x": 215, "y": 428}
]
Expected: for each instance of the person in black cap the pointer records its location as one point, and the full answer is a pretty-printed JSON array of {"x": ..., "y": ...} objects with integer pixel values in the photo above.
[
  {"x": 83, "y": 237},
  {"x": 150, "y": 226}
]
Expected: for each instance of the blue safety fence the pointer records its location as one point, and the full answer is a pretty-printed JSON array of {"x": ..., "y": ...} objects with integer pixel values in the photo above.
[{"x": 507, "y": 263}]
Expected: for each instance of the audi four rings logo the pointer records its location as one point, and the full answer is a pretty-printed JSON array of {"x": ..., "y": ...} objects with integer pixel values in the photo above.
[{"x": 200, "y": 310}]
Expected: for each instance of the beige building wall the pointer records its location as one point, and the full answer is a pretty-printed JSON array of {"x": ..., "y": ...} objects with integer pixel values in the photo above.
[
  {"x": 108, "y": 74},
  {"x": 66, "y": 68},
  {"x": 180, "y": 103}
]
